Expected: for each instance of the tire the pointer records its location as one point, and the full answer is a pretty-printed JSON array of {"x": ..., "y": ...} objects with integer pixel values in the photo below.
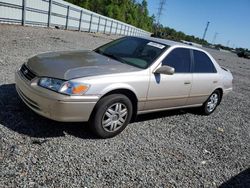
[
  {"x": 211, "y": 103},
  {"x": 111, "y": 115}
]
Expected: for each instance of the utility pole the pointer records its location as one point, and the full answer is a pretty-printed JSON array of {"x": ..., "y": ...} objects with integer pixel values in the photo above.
[
  {"x": 205, "y": 32},
  {"x": 160, "y": 9},
  {"x": 159, "y": 14},
  {"x": 228, "y": 43},
  {"x": 215, "y": 35}
]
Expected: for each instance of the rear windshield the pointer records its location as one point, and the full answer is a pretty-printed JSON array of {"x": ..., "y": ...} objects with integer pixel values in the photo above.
[{"x": 134, "y": 51}]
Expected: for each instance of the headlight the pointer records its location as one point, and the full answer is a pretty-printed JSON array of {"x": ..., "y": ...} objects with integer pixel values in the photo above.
[
  {"x": 64, "y": 87},
  {"x": 73, "y": 88},
  {"x": 51, "y": 83}
]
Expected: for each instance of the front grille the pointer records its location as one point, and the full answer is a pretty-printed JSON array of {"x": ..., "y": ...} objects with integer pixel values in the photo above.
[{"x": 27, "y": 73}]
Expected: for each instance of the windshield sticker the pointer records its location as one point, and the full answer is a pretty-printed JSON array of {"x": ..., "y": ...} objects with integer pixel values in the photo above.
[{"x": 156, "y": 45}]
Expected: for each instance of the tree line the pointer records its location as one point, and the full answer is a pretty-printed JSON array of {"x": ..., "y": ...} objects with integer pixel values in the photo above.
[
  {"x": 128, "y": 11},
  {"x": 172, "y": 34},
  {"x": 137, "y": 14}
]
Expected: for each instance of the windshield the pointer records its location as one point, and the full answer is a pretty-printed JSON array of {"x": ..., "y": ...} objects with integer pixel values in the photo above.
[{"x": 134, "y": 51}]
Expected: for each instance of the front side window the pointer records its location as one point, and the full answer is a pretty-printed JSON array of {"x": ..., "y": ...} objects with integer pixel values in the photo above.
[
  {"x": 179, "y": 59},
  {"x": 202, "y": 63},
  {"x": 134, "y": 51}
]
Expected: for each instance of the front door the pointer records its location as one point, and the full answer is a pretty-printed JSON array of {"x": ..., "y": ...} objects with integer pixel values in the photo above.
[{"x": 169, "y": 91}]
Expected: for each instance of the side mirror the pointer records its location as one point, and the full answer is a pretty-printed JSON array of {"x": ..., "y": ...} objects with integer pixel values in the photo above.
[{"x": 165, "y": 70}]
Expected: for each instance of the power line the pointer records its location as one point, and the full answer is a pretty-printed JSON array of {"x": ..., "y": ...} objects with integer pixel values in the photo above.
[
  {"x": 160, "y": 10},
  {"x": 215, "y": 35}
]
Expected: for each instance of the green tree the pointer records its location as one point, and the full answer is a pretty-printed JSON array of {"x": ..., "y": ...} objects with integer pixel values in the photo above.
[
  {"x": 129, "y": 11},
  {"x": 137, "y": 14}
]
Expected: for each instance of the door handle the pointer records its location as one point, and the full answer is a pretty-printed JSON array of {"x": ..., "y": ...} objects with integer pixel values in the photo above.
[{"x": 187, "y": 82}]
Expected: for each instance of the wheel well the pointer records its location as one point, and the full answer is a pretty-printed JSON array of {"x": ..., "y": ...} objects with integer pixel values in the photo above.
[
  {"x": 221, "y": 93},
  {"x": 131, "y": 96}
]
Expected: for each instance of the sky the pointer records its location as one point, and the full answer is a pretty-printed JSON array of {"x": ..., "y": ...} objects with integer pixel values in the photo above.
[{"x": 230, "y": 19}]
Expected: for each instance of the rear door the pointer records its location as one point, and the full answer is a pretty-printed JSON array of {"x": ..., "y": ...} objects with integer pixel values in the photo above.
[
  {"x": 205, "y": 78},
  {"x": 168, "y": 91}
]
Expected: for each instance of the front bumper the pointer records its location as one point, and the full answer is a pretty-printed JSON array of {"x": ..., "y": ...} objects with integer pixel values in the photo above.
[{"x": 53, "y": 105}]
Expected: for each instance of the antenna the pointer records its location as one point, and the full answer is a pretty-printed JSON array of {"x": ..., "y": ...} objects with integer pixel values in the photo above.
[
  {"x": 205, "y": 32},
  {"x": 160, "y": 9}
]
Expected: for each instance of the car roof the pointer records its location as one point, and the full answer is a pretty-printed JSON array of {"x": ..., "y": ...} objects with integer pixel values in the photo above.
[
  {"x": 163, "y": 41},
  {"x": 170, "y": 42}
]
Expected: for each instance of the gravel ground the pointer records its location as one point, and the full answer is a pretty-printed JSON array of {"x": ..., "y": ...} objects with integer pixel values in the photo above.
[{"x": 168, "y": 149}]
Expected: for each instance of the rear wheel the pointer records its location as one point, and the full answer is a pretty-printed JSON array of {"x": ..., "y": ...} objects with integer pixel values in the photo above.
[
  {"x": 212, "y": 102},
  {"x": 111, "y": 115}
]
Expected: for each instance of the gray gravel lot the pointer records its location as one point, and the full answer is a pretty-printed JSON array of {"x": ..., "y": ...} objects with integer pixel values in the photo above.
[{"x": 168, "y": 149}]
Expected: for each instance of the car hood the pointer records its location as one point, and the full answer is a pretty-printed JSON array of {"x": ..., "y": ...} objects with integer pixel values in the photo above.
[{"x": 75, "y": 64}]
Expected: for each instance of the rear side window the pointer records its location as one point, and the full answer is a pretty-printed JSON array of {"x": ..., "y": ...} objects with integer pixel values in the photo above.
[
  {"x": 202, "y": 63},
  {"x": 179, "y": 59}
]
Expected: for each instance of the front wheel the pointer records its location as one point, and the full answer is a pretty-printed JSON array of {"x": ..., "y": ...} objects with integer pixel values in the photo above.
[
  {"x": 111, "y": 115},
  {"x": 212, "y": 102}
]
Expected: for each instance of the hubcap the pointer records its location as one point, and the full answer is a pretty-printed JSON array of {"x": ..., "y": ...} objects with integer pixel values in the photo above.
[
  {"x": 212, "y": 102},
  {"x": 114, "y": 117}
]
